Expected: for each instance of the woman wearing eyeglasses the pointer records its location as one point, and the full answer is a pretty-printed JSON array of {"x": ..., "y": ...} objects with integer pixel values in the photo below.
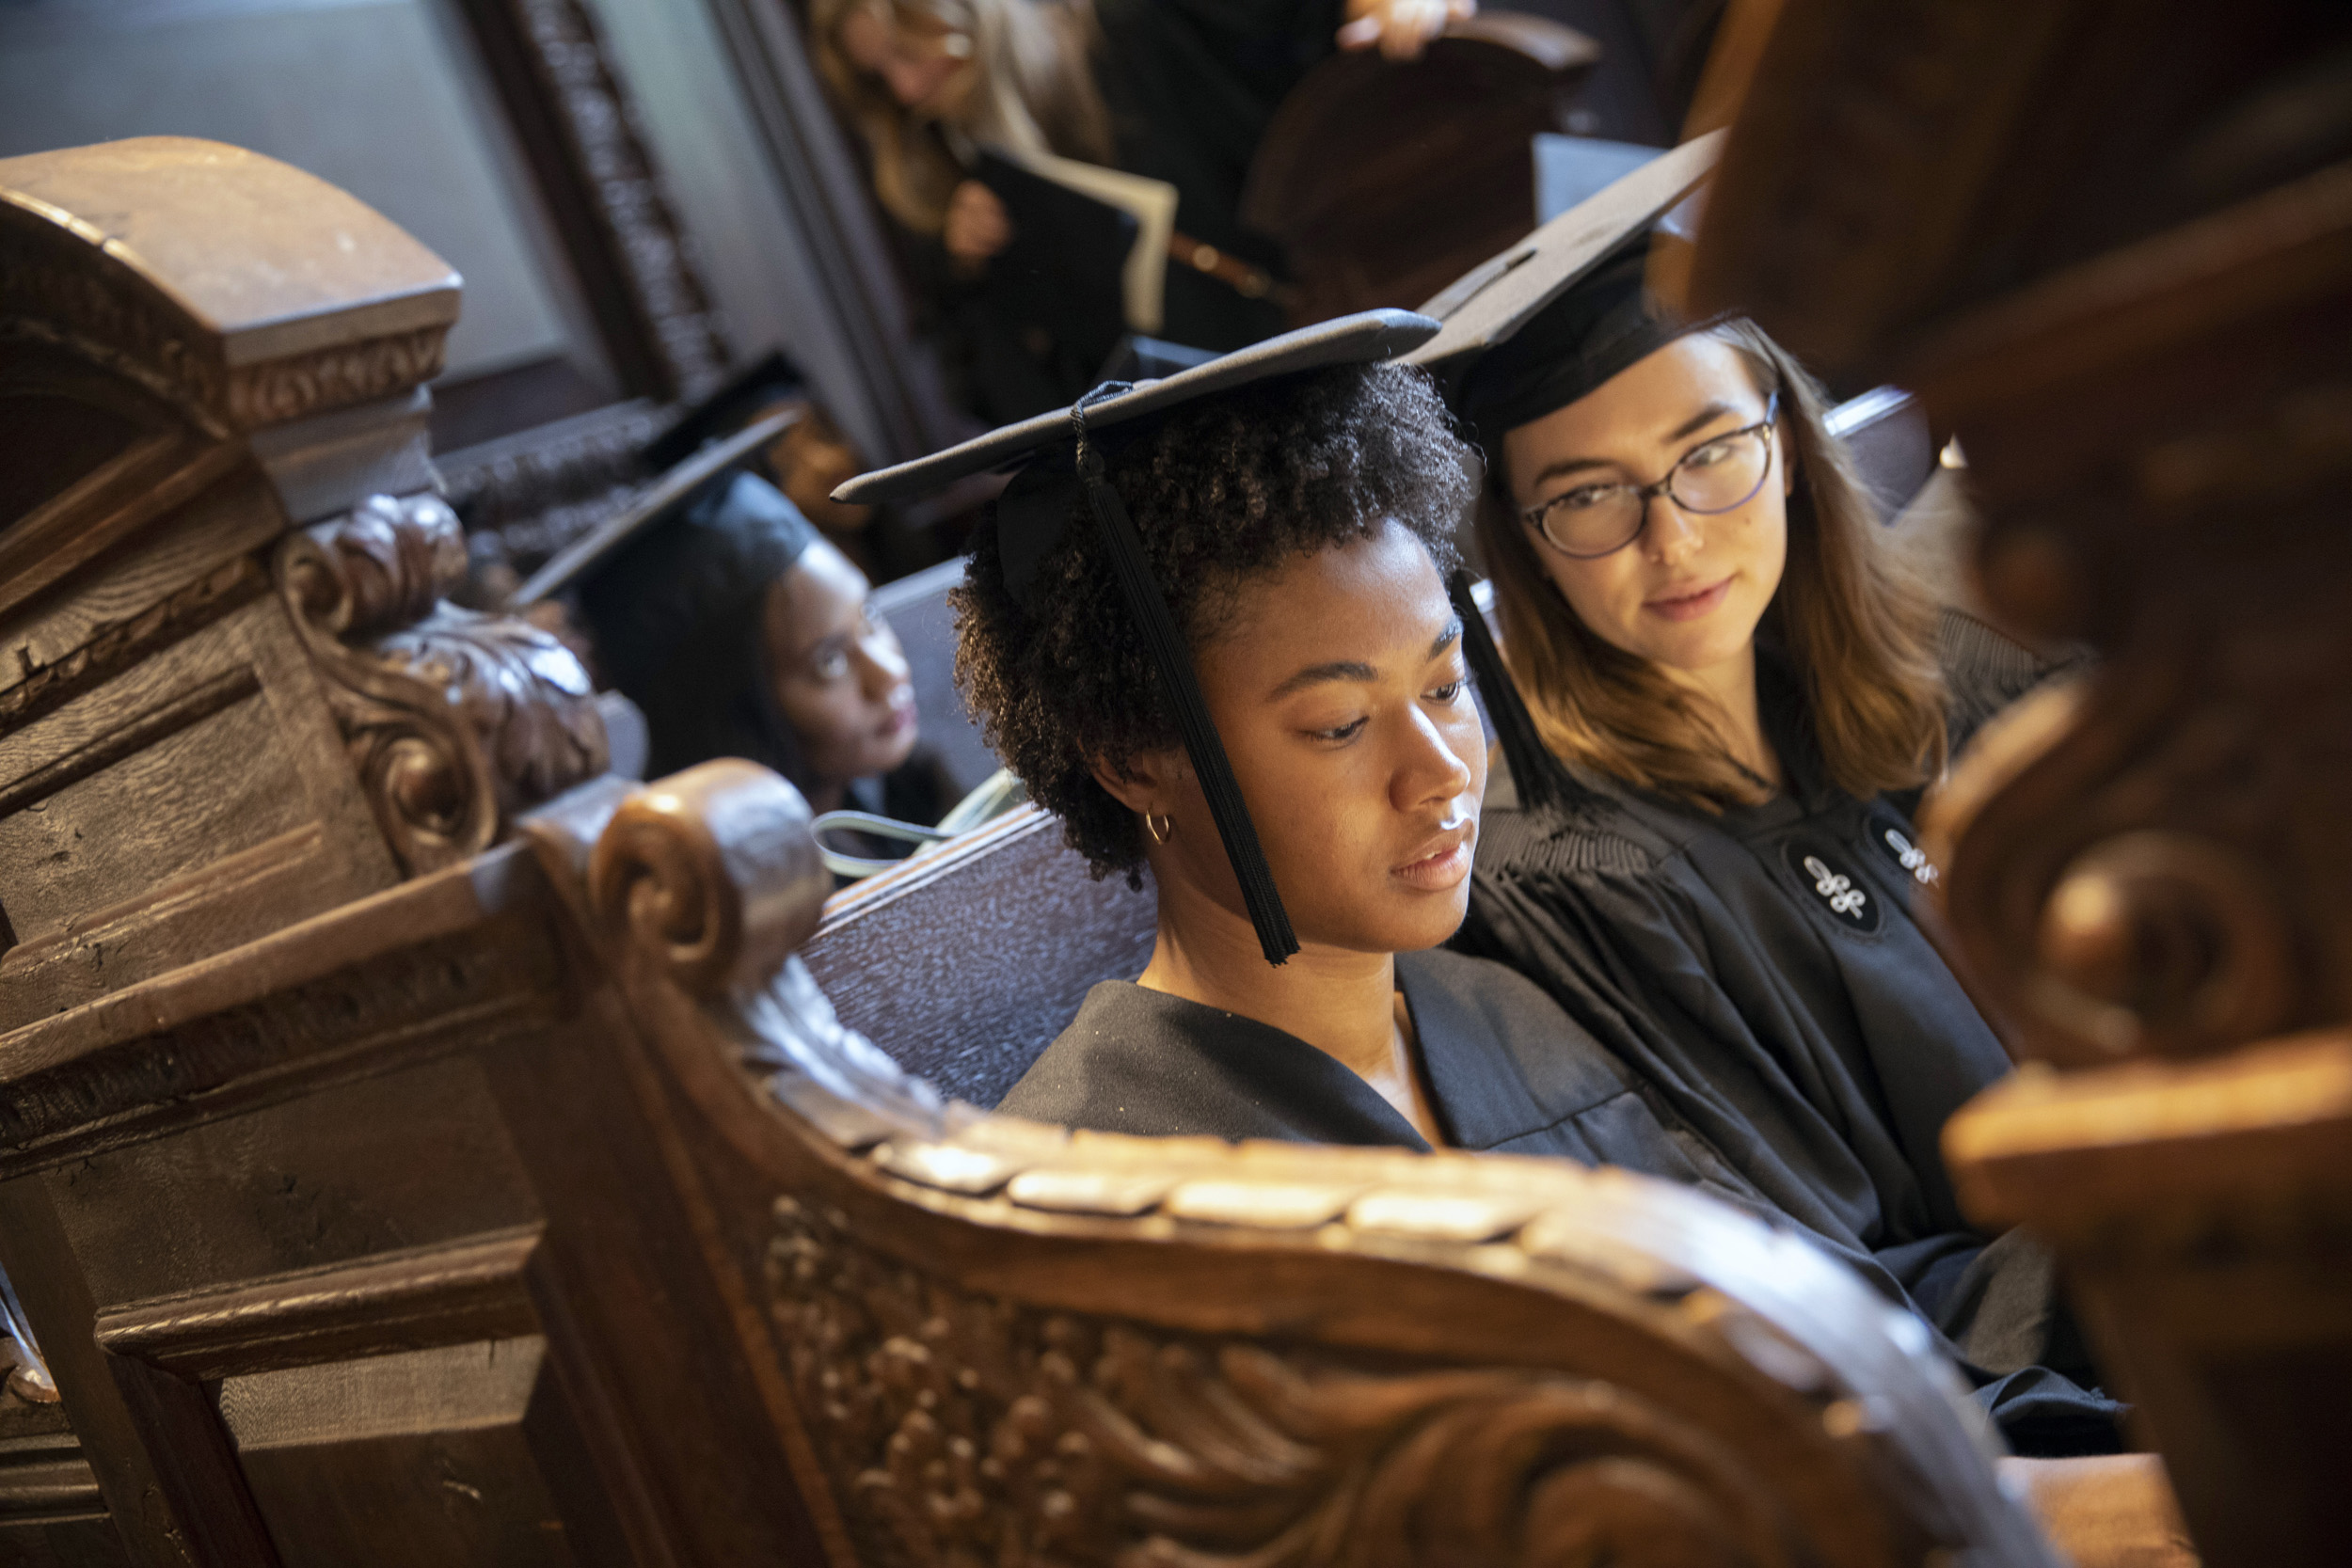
[{"x": 1705, "y": 849}]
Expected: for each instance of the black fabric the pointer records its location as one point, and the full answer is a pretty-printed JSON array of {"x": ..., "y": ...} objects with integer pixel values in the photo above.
[
  {"x": 679, "y": 623},
  {"x": 1604, "y": 324},
  {"x": 1505, "y": 1071},
  {"x": 1191, "y": 85},
  {"x": 1066, "y": 262},
  {"x": 1514, "y": 726},
  {"x": 1147, "y": 609},
  {"x": 1820, "y": 1053}
]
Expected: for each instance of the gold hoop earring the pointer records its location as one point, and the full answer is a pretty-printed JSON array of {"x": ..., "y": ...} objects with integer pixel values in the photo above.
[{"x": 1162, "y": 829}]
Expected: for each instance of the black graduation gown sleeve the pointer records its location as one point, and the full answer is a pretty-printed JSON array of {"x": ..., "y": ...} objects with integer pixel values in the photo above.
[
  {"x": 1818, "y": 1059},
  {"x": 1191, "y": 85},
  {"x": 1146, "y": 1063}
]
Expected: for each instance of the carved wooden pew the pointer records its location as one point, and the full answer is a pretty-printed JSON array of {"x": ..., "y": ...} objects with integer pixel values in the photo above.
[
  {"x": 519, "y": 1197},
  {"x": 2131, "y": 298}
]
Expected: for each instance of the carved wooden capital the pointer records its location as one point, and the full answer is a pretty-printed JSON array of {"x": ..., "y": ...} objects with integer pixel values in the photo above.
[
  {"x": 243, "y": 290},
  {"x": 456, "y": 722}
]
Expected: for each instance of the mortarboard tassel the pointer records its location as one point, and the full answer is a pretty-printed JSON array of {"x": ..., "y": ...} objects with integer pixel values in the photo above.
[
  {"x": 1173, "y": 660},
  {"x": 1533, "y": 769}
]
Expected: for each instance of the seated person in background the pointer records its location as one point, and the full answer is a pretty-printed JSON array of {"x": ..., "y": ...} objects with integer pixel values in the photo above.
[
  {"x": 1177, "y": 90},
  {"x": 740, "y": 631},
  {"x": 1217, "y": 639}
]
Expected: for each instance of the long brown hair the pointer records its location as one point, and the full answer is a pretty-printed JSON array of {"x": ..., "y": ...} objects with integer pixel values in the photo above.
[
  {"x": 1859, "y": 631},
  {"x": 1030, "y": 90}
]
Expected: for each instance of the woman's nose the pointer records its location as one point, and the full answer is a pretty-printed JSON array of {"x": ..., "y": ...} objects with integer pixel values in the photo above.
[
  {"x": 1673, "y": 533},
  {"x": 882, "y": 664},
  {"x": 1432, "y": 768}
]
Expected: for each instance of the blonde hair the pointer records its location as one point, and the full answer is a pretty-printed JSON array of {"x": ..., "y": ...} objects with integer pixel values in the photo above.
[
  {"x": 1859, "y": 630},
  {"x": 1029, "y": 89}
]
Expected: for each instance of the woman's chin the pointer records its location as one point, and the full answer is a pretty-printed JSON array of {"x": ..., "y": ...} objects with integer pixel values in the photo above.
[
  {"x": 895, "y": 751},
  {"x": 1412, "y": 923}
]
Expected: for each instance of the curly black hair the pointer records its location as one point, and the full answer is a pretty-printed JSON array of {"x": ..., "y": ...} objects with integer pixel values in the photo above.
[{"x": 1221, "y": 492}]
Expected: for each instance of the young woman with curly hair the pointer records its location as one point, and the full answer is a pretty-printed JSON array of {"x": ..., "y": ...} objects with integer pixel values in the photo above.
[{"x": 1297, "y": 530}]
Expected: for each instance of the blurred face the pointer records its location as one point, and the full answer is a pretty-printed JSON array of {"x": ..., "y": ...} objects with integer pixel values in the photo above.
[
  {"x": 1688, "y": 591},
  {"x": 1339, "y": 692},
  {"x": 920, "y": 59},
  {"x": 840, "y": 676}
]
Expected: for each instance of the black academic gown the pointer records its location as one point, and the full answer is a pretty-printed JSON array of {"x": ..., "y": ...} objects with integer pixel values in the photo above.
[
  {"x": 1190, "y": 85},
  {"x": 1760, "y": 970},
  {"x": 1505, "y": 1071}
]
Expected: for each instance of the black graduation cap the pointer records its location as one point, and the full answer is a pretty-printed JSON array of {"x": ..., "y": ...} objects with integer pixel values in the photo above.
[
  {"x": 673, "y": 590},
  {"x": 1488, "y": 305},
  {"x": 1060, "y": 456},
  {"x": 673, "y": 491},
  {"x": 1535, "y": 329}
]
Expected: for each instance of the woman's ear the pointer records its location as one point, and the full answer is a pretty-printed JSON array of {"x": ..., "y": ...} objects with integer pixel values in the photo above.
[{"x": 1143, "y": 784}]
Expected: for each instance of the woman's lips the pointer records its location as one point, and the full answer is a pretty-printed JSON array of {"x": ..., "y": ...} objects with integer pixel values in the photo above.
[
  {"x": 901, "y": 720},
  {"x": 1443, "y": 862},
  {"x": 1690, "y": 606}
]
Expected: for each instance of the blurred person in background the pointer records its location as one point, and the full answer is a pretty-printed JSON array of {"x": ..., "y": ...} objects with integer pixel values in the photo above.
[
  {"x": 741, "y": 632},
  {"x": 1177, "y": 90}
]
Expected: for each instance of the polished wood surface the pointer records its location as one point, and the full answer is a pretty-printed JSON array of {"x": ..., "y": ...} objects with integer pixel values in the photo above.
[
  {"x": 528, "y": 1200},
  {"x": 2129, "y": 299}
]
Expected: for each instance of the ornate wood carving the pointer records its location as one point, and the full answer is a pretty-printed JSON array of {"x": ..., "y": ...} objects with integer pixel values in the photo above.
[
  {"x": 524, "y": 498},
  {"x": 2114, "y": 252},
  {"x": 990, "y": 1366},
  {"x": 169, "y": 305},
  {"x": 102, "y": 320},
  {"x": 970, "y": 1428},
  {"x": 456, "y": 722},
  {"x": 636, "y": 267}
]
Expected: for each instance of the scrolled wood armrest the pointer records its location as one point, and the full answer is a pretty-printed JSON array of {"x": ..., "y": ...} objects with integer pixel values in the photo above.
[{"x": 715, "y": 873}]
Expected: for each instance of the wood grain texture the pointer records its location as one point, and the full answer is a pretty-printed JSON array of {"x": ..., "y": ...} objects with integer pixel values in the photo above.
[
  {"x": 2128, "y": 301},
  {"x": 209, "y": 836},
  {"x": 1016, "y": 1344},
  {"x": 471, "y": 1291},
  {"x": 51, "y": 1513},
  {"x": 117, "y": 1059}
]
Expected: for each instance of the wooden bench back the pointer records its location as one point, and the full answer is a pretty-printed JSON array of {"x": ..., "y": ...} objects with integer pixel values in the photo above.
[{"x": 964, "y": 965}]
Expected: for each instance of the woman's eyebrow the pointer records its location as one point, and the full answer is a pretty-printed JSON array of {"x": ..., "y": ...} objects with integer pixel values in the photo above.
[
  {"x": 1696, "y": 422},
  {"x": 1315, "y": 675},
  {"x": 1701, "y": 419},
  {"x": 1354, "y": 670}
]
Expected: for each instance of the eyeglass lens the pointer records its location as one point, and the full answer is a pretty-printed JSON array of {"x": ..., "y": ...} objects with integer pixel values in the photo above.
[{"x": 1718, "y": 476}]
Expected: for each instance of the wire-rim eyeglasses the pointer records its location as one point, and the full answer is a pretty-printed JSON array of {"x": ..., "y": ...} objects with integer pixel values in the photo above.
[{"x": 1748, "y": 443}]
